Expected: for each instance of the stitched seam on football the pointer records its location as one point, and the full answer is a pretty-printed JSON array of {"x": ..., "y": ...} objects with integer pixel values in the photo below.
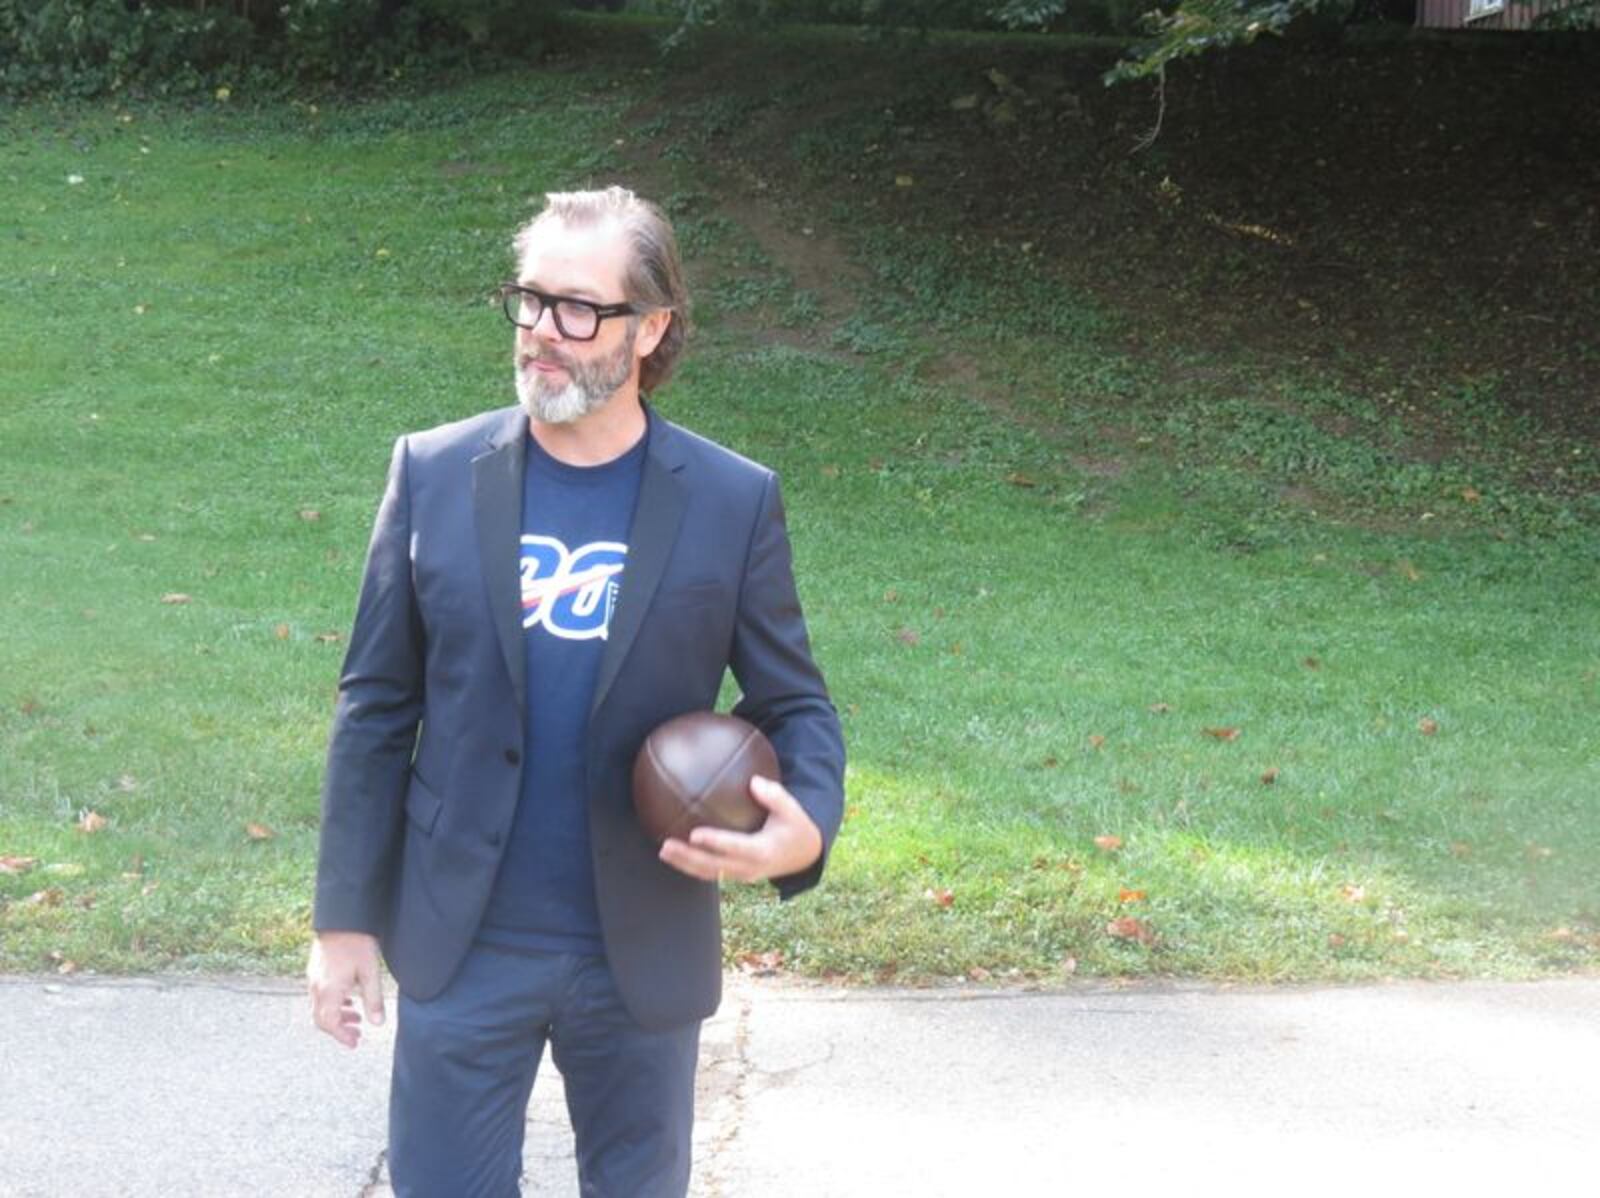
[
  {"x": 737, "y": 753},
  {"x": 688, "y": 806}
]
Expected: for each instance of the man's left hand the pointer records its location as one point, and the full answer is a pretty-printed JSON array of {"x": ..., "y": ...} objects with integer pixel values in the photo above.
[{"x": 786, "y": 844}]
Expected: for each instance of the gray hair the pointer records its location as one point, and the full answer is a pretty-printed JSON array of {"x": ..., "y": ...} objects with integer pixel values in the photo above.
[{"x": 654, "y": 274}]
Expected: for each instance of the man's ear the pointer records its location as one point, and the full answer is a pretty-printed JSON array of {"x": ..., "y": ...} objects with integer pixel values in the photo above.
[{"x": 651, "y": 330}]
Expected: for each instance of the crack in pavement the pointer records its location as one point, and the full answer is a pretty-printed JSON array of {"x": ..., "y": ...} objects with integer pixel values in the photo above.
[
  {"x": 778, "y": 1077},
  {"x": 722, "y": 1091},
  {"x": 375, "y": 1186}
]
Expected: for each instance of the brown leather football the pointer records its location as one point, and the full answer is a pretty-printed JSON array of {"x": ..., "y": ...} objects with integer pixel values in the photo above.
[{"x": 695, "y": 770}]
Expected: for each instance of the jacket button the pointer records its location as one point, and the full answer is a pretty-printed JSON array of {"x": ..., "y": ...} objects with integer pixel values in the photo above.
[{"x": 513, "y": 757}]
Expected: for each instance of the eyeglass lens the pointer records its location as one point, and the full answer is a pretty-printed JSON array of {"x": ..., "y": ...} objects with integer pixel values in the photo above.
[{"x": 574, "y": 318}]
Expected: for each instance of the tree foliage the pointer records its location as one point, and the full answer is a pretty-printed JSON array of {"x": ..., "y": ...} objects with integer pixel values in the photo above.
[
  {"x": 1168, "y": 29},
  {"x": 1200, "y": 26},
  {"x": 90, "y": 47},
  {"x": 1082, "y": 16}
]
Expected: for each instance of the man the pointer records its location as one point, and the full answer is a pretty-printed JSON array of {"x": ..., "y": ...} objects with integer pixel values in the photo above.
[{"x": 544, "y": 586}]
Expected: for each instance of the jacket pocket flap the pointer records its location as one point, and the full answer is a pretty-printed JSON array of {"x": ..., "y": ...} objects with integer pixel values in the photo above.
[{"x": 688, "y": 596}]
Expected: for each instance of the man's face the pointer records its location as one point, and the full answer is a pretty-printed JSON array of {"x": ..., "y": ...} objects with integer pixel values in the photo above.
[{"x": 558, "y": 379}]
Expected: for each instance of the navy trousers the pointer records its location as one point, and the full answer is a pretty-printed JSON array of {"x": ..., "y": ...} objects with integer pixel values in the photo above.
[{"x": 464, "y": 1065}]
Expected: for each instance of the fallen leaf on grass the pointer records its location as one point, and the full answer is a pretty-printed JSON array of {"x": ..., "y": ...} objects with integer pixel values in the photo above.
[
  {"x": 17, "y": 865},
  {"x": 327, "y": 638},
  {"x": 761, "y": 964},
  {"x": 310, "y": 514},
  {"x": 1096, "y": 740},
  {"x": 1130, "y": 896},
  {"x": 1311, "y": 663},
  {"x": 1051, "y": 762},
  {"x": 1109, "y": 844},
  {"x": 281, "y": 631},
  {"x": 63, "y": 965},
  {"x": 939, "y": 898},
  {"x": 51, "y": 896},
  {"x": 176, "y": 597},
  {"x": 1069, "y": 965},
  {"x": 1160, "y": 708},
  {"x": 1126, "y": 927},
  {"x": 259, "y": 832},
  {"x": 1427, "y": 726},
  {"x": 1460, "y": 849},
  {"x": 1269, "y": 775},
  {"x": 908, "y": 636},
  {"x": 904, "y": 181},
  {"x": 127, "y": 783},
  {"x": 1222, "y": 733},
  {"x": 90, "y": 821},
  {"x": 978, "y": 974},
  {"x": 1018, "y": 479},
  {"x": 1335, "y": 940},
  {"x": 1069, "y": 865},
  {"x": 1353, "y": 893},
  {"x": 1408, "y": 571}
]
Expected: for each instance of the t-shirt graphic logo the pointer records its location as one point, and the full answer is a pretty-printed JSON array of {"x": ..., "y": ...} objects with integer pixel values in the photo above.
[{"x": 570, "y": 592}]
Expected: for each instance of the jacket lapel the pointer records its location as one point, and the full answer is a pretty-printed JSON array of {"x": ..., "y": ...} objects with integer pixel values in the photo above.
[
  {"x": 497, "y": 512},
  {"x": 656, "y": 518}
]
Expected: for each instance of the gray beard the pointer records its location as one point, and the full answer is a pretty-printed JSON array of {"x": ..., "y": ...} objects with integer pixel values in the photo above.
[
  {"x": 589, "y": 387},
  {"x": 563, "y": 406}
]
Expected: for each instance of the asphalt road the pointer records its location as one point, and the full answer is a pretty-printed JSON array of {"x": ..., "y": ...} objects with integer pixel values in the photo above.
[{"x": 220, "y": 1087}]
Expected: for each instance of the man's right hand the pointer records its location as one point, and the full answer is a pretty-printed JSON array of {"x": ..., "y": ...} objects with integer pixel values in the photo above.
[{"x": 343, "y": 964}]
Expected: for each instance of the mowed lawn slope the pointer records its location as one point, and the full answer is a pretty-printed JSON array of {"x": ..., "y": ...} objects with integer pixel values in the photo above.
[{"x": 1099, "y": 721}]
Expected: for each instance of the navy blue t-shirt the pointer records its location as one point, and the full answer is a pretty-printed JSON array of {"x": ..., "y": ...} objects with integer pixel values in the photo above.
[{"x": 574, "y": 532}]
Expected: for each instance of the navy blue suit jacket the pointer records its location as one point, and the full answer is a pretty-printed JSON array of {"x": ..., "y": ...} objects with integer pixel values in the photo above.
[{"x": 425, "y": 756}]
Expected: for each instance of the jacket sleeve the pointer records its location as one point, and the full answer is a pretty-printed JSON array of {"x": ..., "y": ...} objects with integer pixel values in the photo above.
[
  {"x": 375, "y": 724},
  {"x": 782, "y": 691}
]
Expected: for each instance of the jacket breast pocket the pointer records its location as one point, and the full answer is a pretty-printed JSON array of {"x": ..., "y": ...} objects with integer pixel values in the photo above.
[
  {"x": 696, "y": 594},
  {"x": 422, "y": 805}
]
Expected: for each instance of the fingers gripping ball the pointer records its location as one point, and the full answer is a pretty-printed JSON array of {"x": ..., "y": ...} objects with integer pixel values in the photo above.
[{"x": 695, "y": 771}]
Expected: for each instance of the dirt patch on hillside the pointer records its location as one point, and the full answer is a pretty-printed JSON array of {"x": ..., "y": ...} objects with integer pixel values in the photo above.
[{"x": 1414, "y": 214}]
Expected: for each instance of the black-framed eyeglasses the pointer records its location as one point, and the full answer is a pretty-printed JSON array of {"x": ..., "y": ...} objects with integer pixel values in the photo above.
[{"x": 576, "y": 319}]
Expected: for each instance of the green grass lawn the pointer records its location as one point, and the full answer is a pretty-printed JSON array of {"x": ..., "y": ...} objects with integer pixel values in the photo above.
[{"x": 1059, "y": 596}]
